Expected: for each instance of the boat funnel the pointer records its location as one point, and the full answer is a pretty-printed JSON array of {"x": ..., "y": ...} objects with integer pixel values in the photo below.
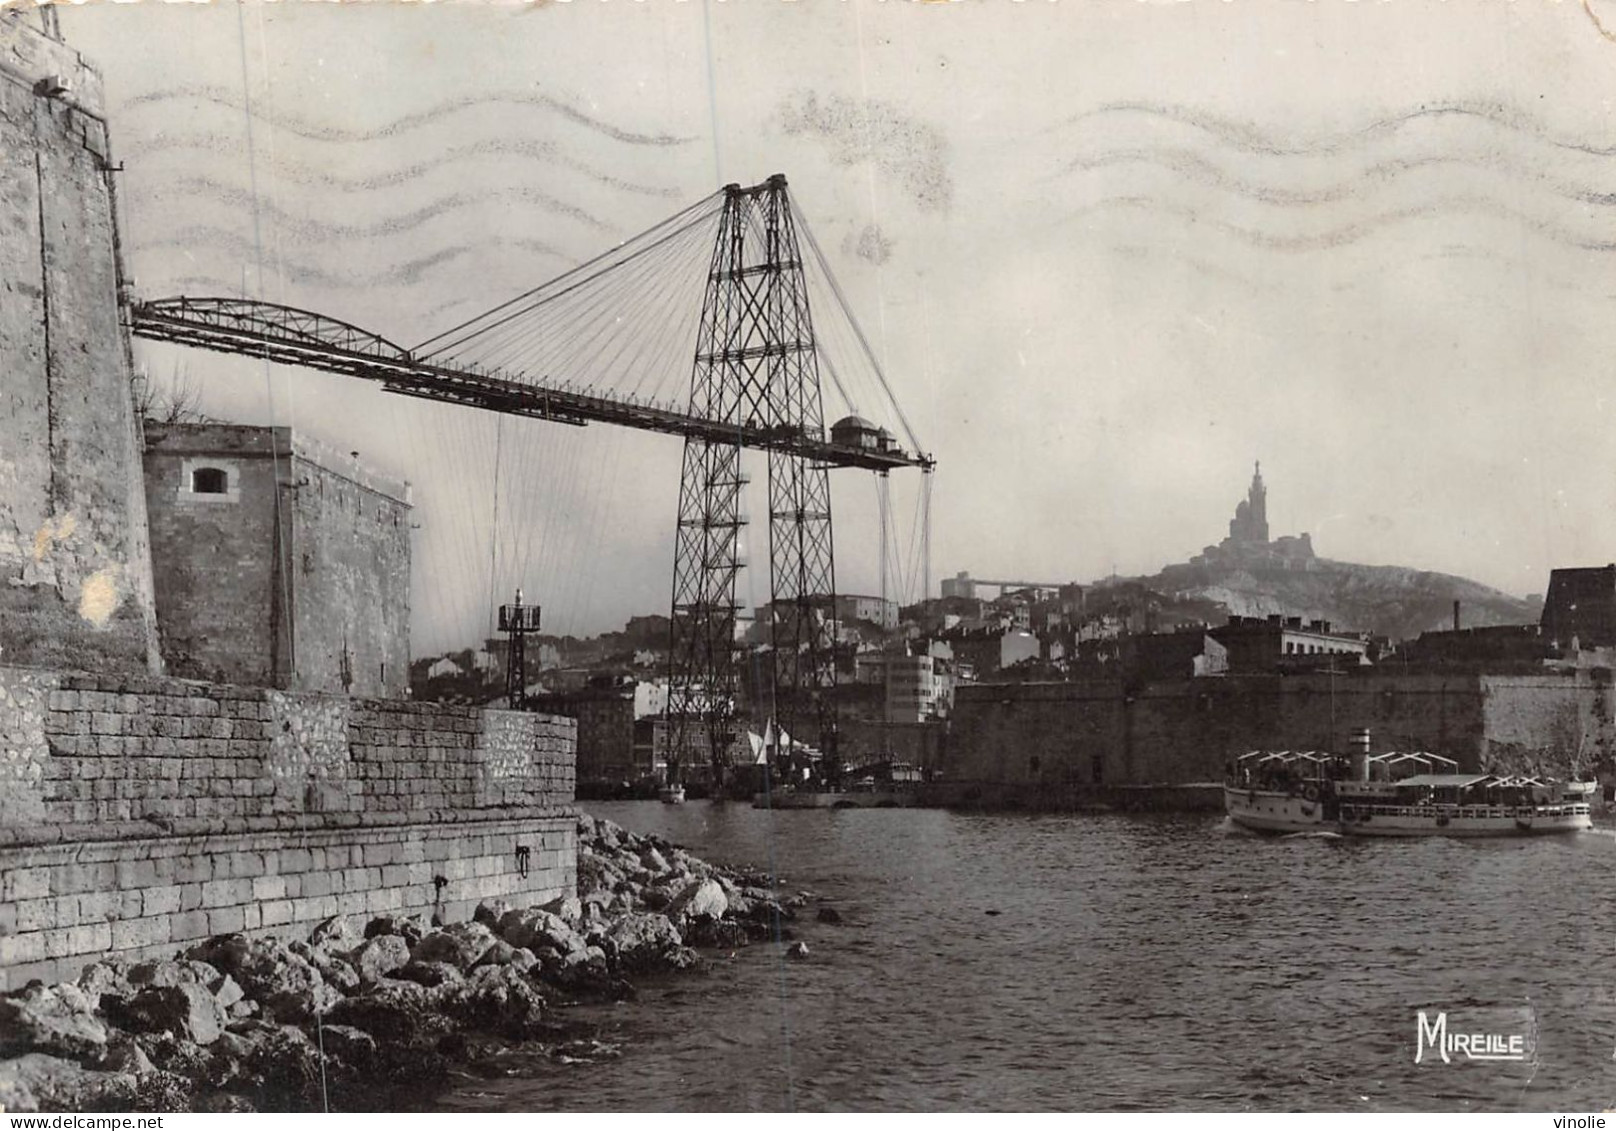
[{"x": 1360, "y": 754}]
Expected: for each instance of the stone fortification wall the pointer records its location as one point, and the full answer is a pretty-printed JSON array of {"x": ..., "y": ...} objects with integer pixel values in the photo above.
[
  {"x": 1101, "y": 733},
  {"x": 1559, "y": 722},
  {"x": 296, "y": 575},
  {"x": 75, "y": 575},
  {"x": 351, "y": 537},
  {"x": 139, "y": 813},
  {"x": 220, "y": 581}
]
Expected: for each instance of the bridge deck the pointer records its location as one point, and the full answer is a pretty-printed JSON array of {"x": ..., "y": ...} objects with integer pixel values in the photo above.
[{"x": 294, "y": 337}]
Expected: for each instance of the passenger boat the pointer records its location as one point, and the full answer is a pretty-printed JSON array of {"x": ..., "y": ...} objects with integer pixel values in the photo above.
[{"x": 1396, "y": 794}]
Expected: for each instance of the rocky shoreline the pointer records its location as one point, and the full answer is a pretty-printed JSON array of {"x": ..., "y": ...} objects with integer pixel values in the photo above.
[{"x": 376, "y": 1016}]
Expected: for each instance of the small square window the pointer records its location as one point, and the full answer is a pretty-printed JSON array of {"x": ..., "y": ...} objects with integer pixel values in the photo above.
[{"x": 209, "y": 481}]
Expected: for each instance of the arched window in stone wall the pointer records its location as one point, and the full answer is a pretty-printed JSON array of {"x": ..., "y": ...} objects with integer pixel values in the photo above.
[{"x": 209, "y": 481}]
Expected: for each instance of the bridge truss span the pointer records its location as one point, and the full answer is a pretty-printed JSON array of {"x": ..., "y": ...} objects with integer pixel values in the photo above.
[
  {"x": 603, "y": 344},
  {"x": 289, "y": 336}
]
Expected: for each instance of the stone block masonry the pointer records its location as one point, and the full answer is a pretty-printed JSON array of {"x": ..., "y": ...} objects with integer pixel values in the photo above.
[
  {"x": 139, "y": 814},
  {"x": 291, "y": 569},
  {"x": 75, "y": 569},
  {"x": 1036, "y": 739}
]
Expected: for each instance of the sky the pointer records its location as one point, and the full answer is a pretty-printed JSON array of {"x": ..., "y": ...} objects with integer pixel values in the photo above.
[{"x": 1107, "y": 254}]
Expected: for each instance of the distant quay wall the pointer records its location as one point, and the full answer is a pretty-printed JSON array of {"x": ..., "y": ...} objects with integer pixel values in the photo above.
[
  {"x": 139, "y": 814},
  {"x": 1068, "y": 745},
  {"x": 1189, "y": 797}
]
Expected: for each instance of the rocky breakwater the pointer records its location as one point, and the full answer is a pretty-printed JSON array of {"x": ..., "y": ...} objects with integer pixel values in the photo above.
[{"x": 372, "y": 1016}]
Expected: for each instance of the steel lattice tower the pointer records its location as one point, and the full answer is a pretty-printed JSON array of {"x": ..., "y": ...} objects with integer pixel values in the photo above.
[
  {"x": 517, "y": 621},
  {"x": 756, "y": 366}
]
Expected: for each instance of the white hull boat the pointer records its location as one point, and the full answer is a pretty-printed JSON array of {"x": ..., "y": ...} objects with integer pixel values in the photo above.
[{"x": 1305, "y": 791}]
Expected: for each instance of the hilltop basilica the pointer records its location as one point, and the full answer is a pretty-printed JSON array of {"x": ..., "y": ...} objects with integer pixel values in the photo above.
[{"x": 1248, "y": 547}]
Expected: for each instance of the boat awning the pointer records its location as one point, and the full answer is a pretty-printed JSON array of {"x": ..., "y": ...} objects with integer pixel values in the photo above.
[
  {"x": 1451, "y": 781},
  {"x": 1286, "y": 756}
]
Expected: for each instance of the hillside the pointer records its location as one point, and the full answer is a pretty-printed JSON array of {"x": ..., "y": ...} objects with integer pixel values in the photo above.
[{"x": 1390, "y": 601}]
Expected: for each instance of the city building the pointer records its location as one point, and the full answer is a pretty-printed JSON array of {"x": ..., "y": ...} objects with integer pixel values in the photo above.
[
  {"x": 876, "y": 610},
  {"x": 1172, "y": 655},
  {"x": 277, "y": 561},
  {"x": 917, "y": 687},
  {"x": 1259, "y": 644},
  {"x": 1497, "y": 647},
  {"x": 849, "y": 607},
  {"x": 604, "y": 708},
  {"x": 977, "y": 654}
]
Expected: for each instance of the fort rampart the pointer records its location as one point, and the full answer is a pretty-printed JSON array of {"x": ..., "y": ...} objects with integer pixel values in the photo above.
[
  {"x": 1070, "y": 740},
  {"x": 139, "y": 814},
  {"x": 75, "y": 570}
]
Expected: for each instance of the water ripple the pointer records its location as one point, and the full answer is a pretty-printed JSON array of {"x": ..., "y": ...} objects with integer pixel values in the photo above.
[{"x": 1139, "y": 964}]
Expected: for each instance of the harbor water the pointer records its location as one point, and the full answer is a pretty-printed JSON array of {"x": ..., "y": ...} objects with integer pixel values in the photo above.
[{"x": 1105, "y": 962}]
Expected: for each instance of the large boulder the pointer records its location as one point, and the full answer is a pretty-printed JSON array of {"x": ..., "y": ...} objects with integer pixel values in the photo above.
[
  {"x": 641, "y": 941},
  {"x": 109, "y": 976},
  {"x": 499, "y": 954},
  {"x": 596, "y": 874},
  {"x": 430, "y": 974},
  {"x": 567, "y": 908},
  {"x": 656, "y": 898},
  {"x": 703, "y": 899},
  {"x": 124, "y": 1054},
  {"x": 379, "y": 956},
  {"x": 594, "y": 902},
  {"x": 599, "y": 831},
  {"x": 349, "y": 1046},
  {"x": 186, "y": 1009},
  {"x": 767, "y": 911},
  {"x": 41, "y": 1082},
  {"x": 411, "y": 928},
  {"x": 536, "y": 929},
  {"x": 497, "y": 999},
  {"x": 332, "y": 964},
  {"x": 340, "y": 932},
  {"x": 391, "y": 1011},
  {"x": 589, "y": 975},
  {"x": 173, "y": 972},
  {"x": 725, "y": 934},
  {"x": 277, "y": 1066},
  {"x": 460, "y": 944},
  {"x": 51, "y": 1019},
  {"x": 227, "y": 992},
  {"x": 182, "y": 971},
  {"x": 273, "y": 974},
  {"x": 489, "y": 911},
  {"x": 226, "y": 952}
]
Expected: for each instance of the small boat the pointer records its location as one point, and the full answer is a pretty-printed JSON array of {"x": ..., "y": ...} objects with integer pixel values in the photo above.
[
  {"x": 881, "y": 785},
  {"x": 1396, "y": 794},
  {"x": 672, "y": 795}
]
